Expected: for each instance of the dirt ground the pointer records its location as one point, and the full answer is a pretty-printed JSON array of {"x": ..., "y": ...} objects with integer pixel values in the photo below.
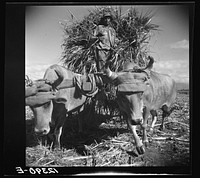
[{"x": 111, "y": 143}]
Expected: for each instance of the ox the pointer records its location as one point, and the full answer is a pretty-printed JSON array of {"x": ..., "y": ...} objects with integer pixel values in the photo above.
[
  {"x": 52, "y": 98},
  {"x": 140, "y": 93}
]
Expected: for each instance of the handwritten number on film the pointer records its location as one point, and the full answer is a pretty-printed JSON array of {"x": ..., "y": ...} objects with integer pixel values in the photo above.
[{"x": 37, "y": 170}]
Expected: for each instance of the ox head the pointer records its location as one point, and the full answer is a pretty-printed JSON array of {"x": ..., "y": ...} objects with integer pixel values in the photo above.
[
  {"x": 40, "y": 97},
  {"x": 130, "y": 87},
  {"x": 42, "y": 107}
]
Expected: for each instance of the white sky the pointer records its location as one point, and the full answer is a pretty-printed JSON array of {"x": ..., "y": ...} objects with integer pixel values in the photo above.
[{"x": 169, "y": 47}]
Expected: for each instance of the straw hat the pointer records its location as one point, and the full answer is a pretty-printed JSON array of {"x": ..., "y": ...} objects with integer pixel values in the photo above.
[{"x": 108, "y": 14}]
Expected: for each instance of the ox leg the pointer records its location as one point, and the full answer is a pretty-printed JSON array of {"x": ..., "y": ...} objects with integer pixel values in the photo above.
[
  {"x": 146, "y": 113},
  {"x": 154, "y": 119},
  {"x": 138, "y": 142},
  {"x": 165, "y": 114},
  {"x": 57, "y": 133},
  {"x": 123, "y": 115}
]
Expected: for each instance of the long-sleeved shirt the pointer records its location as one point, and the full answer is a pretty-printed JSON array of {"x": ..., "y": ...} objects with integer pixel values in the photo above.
[{"x": 107, "y": 36}]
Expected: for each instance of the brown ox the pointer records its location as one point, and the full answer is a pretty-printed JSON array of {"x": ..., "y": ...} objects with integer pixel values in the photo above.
[
  {"x": 50, "y": 101},
  {"x": 141, "y": 93}
]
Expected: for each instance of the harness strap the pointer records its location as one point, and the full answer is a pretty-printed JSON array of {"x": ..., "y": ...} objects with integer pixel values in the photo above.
[{"x": 78, "y": 81}]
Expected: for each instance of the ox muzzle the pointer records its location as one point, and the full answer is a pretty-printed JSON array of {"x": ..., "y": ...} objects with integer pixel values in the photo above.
[{"x": 41, "y": 132}]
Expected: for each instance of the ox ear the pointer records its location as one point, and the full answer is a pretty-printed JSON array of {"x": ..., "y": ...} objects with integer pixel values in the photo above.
[
  {"x": 59, "y": 98},
  {"x": 142, "y": 81}
]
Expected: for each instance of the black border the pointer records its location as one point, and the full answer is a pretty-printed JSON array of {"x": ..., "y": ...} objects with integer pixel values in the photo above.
[
  {"x": 14, "y": 125},
  {"x": 14, "y": 110}
]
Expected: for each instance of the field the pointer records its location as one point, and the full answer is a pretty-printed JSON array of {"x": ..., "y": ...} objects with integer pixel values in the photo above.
[{"x": 111, "y": 143}]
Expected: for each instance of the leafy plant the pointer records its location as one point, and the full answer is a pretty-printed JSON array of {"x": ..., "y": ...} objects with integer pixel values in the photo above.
[{"x": 133, "y": 30}]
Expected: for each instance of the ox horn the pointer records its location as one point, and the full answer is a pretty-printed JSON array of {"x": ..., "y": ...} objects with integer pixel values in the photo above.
[
  {"x": 111, "y": 75},
  {"x": 150, "y": 64},
  {"x": 60, "y": 78},
  {"x": 59, "y": 74}
]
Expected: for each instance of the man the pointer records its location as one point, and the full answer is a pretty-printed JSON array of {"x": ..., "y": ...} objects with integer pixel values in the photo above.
[{"x": 107, "y": 38}]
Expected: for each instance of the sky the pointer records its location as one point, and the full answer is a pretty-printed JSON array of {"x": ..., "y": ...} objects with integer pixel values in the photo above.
[{"x": 44, "y": 36}]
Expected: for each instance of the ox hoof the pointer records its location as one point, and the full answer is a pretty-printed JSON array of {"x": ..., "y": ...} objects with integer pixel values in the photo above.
[
  {"x": 140, "y": 150},
  {"x": 56, "y": 147}
]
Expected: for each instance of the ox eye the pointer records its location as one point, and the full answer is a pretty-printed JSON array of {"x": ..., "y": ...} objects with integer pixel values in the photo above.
[
  {"x": 46, "y": 105},
  {"x": 140, "y": 95}
]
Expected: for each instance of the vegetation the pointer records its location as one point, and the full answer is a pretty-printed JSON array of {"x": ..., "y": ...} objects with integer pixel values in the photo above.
[
  {"x": 111, "y": 144},
  {"x": 133, "y": 29}
]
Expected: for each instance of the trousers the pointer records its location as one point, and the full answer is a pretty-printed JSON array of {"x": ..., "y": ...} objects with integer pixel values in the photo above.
[{"x": 102, "y": 56}]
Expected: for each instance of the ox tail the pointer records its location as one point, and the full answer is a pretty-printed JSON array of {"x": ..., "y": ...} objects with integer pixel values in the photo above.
[{"x": 172, "y": 96}]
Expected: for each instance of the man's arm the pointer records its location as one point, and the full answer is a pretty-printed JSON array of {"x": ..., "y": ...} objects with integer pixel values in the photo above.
[
  {"x": 112, "y": 36},
  {"x": 98, "y": 32}
]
